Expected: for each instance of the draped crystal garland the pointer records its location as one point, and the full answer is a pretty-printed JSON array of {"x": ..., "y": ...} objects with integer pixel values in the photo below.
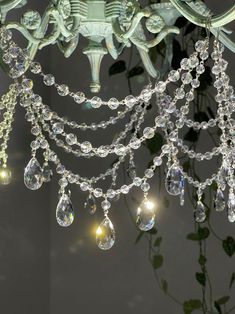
[{"x": 47, "y": 126}]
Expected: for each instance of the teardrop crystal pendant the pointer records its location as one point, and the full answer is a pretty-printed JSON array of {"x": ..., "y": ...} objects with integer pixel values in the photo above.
[
  {"x": 64, "y": 211},
  {"x": 90, "y": 204},
  {"x": 200, "y": 212},
  {"x": 33, "y": 177},
  {"x": 174, "y": 180},
  {"x": 105, "y": 234},
  {"x": 231, "y": 207},
  {"x": 219, "y": 201},
  {"x": 47, "y": 173},
  {"x": 146, "y": 215}
]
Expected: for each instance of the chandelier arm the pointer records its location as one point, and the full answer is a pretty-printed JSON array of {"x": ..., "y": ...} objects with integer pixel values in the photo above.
[
  {"x": 51, "y": 38},
  {"x": 60, "y": 21},
  {"x": 134, "y": 24},
  {"x": 167, "y": 30},
  {"x": 6, "y": 6},
  {"x": 200, "y": 20},
  {"x": 23, "y": 30},
  {"x": 69, "y": 48}
]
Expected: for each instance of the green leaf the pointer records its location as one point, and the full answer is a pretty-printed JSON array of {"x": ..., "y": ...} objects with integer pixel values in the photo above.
[
  {"x": 217, "y": 306},
  {"x": 164, "y": 285},
  {"x": 201, "y": 278},
  {"x": 229, "y": 246},
  {"x": 157, "y": 261},
  {"x": 135, "y": 71},
  {"x": 117, "y": 67},
  {"x": 202, "y": 260},
  {"x": 223, "y": 300},
  {"x": 191, "y": 135},
  {"x": 193, "y": 236},
  {"x": 232, "y": 280},
  {"x": 203, "y": 233},
  {"x": 191, "y": 305},
  {"x": 155, "y": 144},
  {"x": 165, "y": 202},
  {"x": 158, "y": 241},
  {"x": 186, "y": 165},
  {"x": 139, "y": 237},
  {"x": 152, "y": 231}
]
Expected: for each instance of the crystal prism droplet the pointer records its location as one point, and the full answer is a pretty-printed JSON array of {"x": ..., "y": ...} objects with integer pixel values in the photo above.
[
  {"x": 33, "y": 177},
  {"x": 174, "y": 181},
  {"x": 105, "y": 234},
  {"x": 231, "y": 207},
  {"x": 146, "y": 215},
  {"x": 219, "y": 201},
  {"x": 64, "y": 211},
  {"x": 90, "y": 204},
  {"x": 200, "y": 212},
  {"x": 47, "y": 173}
]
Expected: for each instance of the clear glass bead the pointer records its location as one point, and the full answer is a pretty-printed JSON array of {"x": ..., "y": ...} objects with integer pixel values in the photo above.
[
  {"x": 71, "y": 139},
  {"x": 113, "y": 103},
  {"x": 96, "y": 102},
  {"x": 148, "y": 133},
  {"x": 35, "y": 67},
  {"x": 86, "y": 147},
  {"x": 130, "y": 101},
  {"x": 119, "y": 149},
  {"x": 58, "y": 128},
  {"x": 160, "y": 87},
  {"x": 79, "y": 97},
  {"x": 49, "y": 79},
  {"x": 135, "y": 143},
  {"x": 174, "y": 76}
]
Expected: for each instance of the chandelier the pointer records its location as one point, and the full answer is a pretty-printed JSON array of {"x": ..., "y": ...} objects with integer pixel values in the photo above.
[{"x": 172, "y": 97}]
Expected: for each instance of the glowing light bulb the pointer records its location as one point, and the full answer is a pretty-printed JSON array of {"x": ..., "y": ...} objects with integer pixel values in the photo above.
[
  {"x": 5, "y": 175},
  {"x": 146, "y": 215}
]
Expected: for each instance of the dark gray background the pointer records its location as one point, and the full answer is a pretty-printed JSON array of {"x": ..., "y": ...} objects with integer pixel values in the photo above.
[{"x": 47, "y": 269}]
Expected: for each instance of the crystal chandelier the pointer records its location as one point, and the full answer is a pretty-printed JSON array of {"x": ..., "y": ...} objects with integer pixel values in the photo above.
[{"x": 173, "y": 106}]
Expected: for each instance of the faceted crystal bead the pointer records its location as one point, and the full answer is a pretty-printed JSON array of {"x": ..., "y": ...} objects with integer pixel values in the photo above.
[
  {"x": 17, "y": 70},
  {"x": 204, "y": 55},
  {"x": 84, "y": 186},
  {"x": 201, "y": 45},
  {"x": 195, "y": 83},
  {"x": 174, "y": 180},
  {"x": 130, "y": 101},
  {"x": 71, "y": 139},
  {"x": 148, "y": 132},
  {"x": 113, "y": 103},
  {"x": 103, "y": 151},
  {"x": 90, "y": 204},
  {"x": 105, "y": 235},
  {"x": 231, "y": 207},
  {"x": 98, "y": 192},
  {"x": 58, "y": 128},
  {"x": 200, "y": 69},
  {"x": 157, "y": 161},
  {"x": 47, "y": 173},
  {"x": 146, "y": 215},
  {"x": 160, "y": 87},
  {"x": 219, "y": 201},
  {"x": 174, "y": 76},
  {"x": 86, "y": 147},
  {"x": 64, "y": 211},
  {"x": 193, "y": 61},
  {"x": 35, "y": 67},
  {"x": 62, "y": 90},
  {"x": 146, "y": 94},
  {"x": 145, "y": 186},
  {"x": 135, "y": 143},
  {"x": 200, "y": 212},
  {"x": 105, "y": 204},
  {"x": 111, "y": 193},
  {"x": 49, "y": 79},
  {"x": 96, "y": 102},
  {"x": 186, "y": 78},
  {"x": 185, "y": 64},
  {"x": 119, "y": 149},
  {"x": 33, "y": 176},
  {"x": 231, "y": 216},
  {"x": 137, "y": 181},
  {"x": 125, "y": 189},
  {"x": 79, "y": 97},
  {"x": 179, "y": 93}
]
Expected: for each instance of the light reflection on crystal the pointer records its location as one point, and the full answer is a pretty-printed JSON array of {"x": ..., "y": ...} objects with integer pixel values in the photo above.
[
  {"x": 146, "y": 215},
  {"x": 105, "y": 234},
  {"x": 64, "y": 211},
  {"x": 174, "y": 181},
  {"x": 33, "y": 177}
]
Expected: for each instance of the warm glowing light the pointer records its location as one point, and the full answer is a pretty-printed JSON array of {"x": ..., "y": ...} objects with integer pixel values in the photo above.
[
  {"x": 149, "y": 205},
  {"x": 5, "y": 176},
  {"x": 99, "y": 231}
]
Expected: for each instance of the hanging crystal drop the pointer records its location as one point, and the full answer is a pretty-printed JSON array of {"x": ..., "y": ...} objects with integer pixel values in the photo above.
[
  {"x": 64, "y": 211},
  {"x": 200, "y": 212},
  {"x": 231, "y": 207},
  {"x": 174, "y": 180},
  {"x": 146, "y": 215},
  {"x": 90, "y": 204},
  {"x": 105, "y": 234},
  {"x": 219, "y": 201},
  {"x": 33, "y": 177}
]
